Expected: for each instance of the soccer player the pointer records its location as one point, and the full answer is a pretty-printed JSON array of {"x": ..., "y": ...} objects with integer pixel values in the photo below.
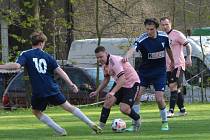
[
  {"x": 175, "y": 77},
  {"x": 153, "y": 45},
  {"x": 41, "y": 67},
  {"x": 124, "y": 89}
]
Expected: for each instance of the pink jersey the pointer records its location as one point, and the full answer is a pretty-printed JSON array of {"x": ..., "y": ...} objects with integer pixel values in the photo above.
[
  {"x": 177, "y": 43},
  {"x": 116, "y": 68}
]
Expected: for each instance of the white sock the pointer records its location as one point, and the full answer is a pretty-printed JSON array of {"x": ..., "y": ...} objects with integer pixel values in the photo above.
[
  {"x": 136, "y": 108},
  {"x": 48, "y": 121},
  {"x": 82, "y": 117},
  {"x": 163, "y": 114}
]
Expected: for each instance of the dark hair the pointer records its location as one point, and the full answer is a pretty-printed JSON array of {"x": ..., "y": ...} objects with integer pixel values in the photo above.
[
  {"x": 100, "y": 49},
  {"x": 37, "y": 37},
  {"x": 164, "y": 18},
  {"x": 151, "y": 21}
]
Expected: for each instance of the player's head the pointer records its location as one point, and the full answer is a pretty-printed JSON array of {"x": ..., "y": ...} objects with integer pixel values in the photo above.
[
  {"x": 38, "y": 38},
  {"x": 151, "y": 25},
  {"x": 165, "y": 23},
  {"x": 101, "y": 55}
]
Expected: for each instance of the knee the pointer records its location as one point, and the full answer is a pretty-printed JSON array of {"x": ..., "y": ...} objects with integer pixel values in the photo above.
[
  {"x": 125, "y": 110},
  {"x": 107, "y": 104},
  {"x": 160, "y": 100},
  {"x": 173, "y": 86},
  {"x": 37, "y": 113}
]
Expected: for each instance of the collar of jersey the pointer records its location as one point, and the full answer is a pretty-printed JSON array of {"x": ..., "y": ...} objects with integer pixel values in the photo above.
[{"x": 169, "y": 31}]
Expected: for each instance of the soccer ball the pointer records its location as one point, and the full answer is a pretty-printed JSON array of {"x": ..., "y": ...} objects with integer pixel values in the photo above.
[{"x": 118, "y": 125}]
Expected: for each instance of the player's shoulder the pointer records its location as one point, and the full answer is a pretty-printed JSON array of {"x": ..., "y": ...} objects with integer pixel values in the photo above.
[
  {"x": 142, "y": 37},
  {"x": 163, "y": 34},
  {"x": 177, "y": 32},
  {"x": 29, "y": 51},
  {"x": 115, "y": 57}
]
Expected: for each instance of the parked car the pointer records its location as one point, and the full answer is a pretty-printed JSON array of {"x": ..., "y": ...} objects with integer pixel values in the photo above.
[
  {"x": 15, "y": 94},
  {"x": 92, "y": 73}
]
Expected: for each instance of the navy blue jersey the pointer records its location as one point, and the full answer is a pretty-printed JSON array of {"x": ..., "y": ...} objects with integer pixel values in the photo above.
[
  {"x": 40, "y": 66},
  {"x": 153, "y": 53}
]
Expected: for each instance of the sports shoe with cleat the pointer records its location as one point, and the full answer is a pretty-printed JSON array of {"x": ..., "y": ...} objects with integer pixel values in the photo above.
[
  {"x": 96, "y": 129},
  {"x": 133, "y": 129},
  {"x": 164, "y": 126},
  {"x": 170, "y": 114},
  {"x": 135, "y": 126},
  {"x": 181, "y": 113},
  {"x": 61, "y": 133}
]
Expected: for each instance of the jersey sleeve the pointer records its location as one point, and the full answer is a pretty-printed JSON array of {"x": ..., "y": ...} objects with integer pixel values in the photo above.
[
  {"x": 117, "y": 67},
  {"x": 182, "y": 39},
  {"x": 21, "y": 59},
  {"x": 138, "y": 43},
  {"x": 53, "y": 63},
  {"x": 136, "y": 46}
]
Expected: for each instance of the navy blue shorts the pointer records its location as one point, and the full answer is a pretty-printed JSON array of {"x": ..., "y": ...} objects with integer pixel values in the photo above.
[
  {"x": 158, "y": 81},
  {"x": 40, "y": 103}
]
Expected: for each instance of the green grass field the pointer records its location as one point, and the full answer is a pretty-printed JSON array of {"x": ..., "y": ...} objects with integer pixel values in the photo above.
[{"x": 22, "y": 125}]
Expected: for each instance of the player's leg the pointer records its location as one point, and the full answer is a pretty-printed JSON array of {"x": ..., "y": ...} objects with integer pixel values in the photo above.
[
  {"x": 127, "y": 101},
  {"x": 180, "y": 99},
  {"x": 172, "y": 82},
  {"x": 136, "y": 107},
  {"x": 108, "y": 103},
  {"x": 159, "y": 85},
  {"x": 162, "y": 107},
  {"x": 78, "y": 113},
  {"x": 144, "y": 83},
  {"x": 38, "y": 106}
]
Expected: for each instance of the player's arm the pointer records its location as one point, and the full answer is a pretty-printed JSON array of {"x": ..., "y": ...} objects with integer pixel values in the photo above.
[
  {"x": 120, "y": 82},
  {"x": 65, "y": 77},
  {"x": 189, "y": 53},
  {"x": 11, "y": 66},
  {"x": 128, "y": 54},
  {"x": 102, "y": 85},
  {"x": 170, "y": 55}
]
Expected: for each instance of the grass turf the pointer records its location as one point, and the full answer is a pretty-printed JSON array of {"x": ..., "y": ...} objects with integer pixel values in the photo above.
[{"x": 22, "y": 125}]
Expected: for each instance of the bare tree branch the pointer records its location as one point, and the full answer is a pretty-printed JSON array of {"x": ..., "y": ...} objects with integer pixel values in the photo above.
[{"x": 117, "y": 9}]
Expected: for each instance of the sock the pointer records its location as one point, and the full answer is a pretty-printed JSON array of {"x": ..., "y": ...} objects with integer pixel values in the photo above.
[
  {"x": 136, "y": 108},
  {"x": 173, "y": 99},
  {"x": 180, "y": 102},
  {"x": 48, "y": 121},
  {"x": 104, "y": 115},
  {"x": 134, "y": 115},
  {"x": 78, "y": 113},
  {"x": 163, "y": 114}
]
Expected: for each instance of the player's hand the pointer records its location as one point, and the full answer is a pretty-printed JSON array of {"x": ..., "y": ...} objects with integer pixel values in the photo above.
[
  {"x": 188, "y": 61},
  {"x": 74, "y": 88},
  {"x": 109, "y": 95},
  {"x": 125, "y": 59},
  {"x": 93, "y": 94},
  {"x": 172, "y": 66}
]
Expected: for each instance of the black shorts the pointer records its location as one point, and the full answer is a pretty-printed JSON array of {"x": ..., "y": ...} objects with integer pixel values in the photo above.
[
  {"x": 40, "y": 103},
  {"x": 126, "y": 95},
  {"x": 176, "y": 76}
]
